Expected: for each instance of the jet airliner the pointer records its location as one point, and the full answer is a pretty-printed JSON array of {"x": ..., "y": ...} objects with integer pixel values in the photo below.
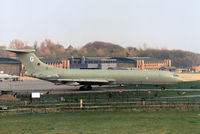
[{"x": 86, "y": 78}]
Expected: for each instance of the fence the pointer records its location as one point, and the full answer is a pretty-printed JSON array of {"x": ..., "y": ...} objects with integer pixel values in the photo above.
[{"x": 155, "y": 100}]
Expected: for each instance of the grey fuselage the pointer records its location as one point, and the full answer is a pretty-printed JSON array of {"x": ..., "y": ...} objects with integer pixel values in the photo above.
[{"x": 114, "y": 76}]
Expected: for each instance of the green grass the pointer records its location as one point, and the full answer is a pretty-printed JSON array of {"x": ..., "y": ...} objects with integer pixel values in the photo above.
[{"x": 110, "y": 122}]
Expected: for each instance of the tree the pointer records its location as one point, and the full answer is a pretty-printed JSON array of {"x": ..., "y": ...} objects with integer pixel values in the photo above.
[
  {"x": 18, "y": 44},
  {"x": 49, "y": 49}
]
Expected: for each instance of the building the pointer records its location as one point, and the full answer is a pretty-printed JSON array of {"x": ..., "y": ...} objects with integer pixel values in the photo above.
[
  {"x": 57, "y": 63},
  {"x": 142, "y": 63},
  {"x": 196, "y": 68},
  {"x": 10, "y": 66},
  {"x": 153, "y": 65},
  {"x": 92, "y": 63}
]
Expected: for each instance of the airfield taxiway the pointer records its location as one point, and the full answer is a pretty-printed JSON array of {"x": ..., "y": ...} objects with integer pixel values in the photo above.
[
  {"x": 28, "y": 86},
  {"x": 33, "y": 85}
]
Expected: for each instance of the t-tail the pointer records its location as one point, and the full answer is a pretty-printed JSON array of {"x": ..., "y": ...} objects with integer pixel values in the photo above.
[{"x": 31, "y": 62}]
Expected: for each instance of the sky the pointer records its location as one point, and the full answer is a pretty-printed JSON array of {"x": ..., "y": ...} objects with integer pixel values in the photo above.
[{"x": 173, "y": 24}]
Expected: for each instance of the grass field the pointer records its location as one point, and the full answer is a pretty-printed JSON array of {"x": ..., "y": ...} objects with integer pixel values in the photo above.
[{"x": 109, "y": 122}]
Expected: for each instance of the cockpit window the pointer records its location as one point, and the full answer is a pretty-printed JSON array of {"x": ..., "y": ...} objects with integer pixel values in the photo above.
[{"x": 175, "y": 75}]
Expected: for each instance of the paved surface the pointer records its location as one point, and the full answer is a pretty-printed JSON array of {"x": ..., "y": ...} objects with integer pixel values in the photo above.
[
  {"x": 28, "y": 86},
  {"x": 33, "y": 85}
]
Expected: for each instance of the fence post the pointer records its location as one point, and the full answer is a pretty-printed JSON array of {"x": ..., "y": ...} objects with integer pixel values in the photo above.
[{"x": 81, "y": 103}]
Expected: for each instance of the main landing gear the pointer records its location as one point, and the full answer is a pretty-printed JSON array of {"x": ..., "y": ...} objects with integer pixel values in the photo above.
[
  {"x": 86, "y": 87},
  {"x": 163, "y": 88}
]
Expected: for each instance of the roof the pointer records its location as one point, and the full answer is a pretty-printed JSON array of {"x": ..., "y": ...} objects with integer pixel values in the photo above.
[
  {"x": 119, "y": 59},
  {"x": 99, "y": 58},
  {"x": 134, "y": 59},
  {"x": 9, "y": 61},
  {"x": 94, "y": 58},
  {"x": 146, "y": 59}
]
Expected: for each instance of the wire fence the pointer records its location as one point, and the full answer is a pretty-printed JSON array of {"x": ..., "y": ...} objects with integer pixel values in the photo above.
[
  {"x": 102, "y": 106},
  {"x": 105, "y": 101}
]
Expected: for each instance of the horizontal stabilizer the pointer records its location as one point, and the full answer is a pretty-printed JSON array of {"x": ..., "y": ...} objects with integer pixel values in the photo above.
[{"x": 19, "y": 50}]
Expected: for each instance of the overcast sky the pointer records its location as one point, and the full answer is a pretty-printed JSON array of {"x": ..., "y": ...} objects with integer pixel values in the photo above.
[{"x": 174, "y": 24}]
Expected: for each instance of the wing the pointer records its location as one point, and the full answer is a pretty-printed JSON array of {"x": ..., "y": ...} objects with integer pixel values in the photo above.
[
  {"x": 54, "y": 77},
  {"x": 86, "y": 81}
]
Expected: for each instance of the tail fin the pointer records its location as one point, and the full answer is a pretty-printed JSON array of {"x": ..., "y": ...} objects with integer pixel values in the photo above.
[{"x": 30, "y": 61}]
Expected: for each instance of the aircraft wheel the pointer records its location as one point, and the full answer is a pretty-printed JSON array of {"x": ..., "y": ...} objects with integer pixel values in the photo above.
[
  {"x": 162, "y": 88},
  {"x": 89, "y": 87}
]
